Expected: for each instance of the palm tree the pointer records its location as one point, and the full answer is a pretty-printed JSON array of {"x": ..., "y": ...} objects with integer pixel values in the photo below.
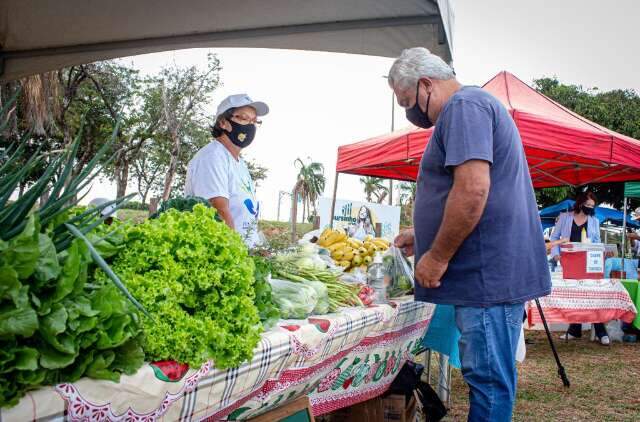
[
  {"x": 310, "y": 184},
  {"x": 407, "y": 195},
  {"x": 407, "y": 192},
  {"x": 374, "y": 187}
]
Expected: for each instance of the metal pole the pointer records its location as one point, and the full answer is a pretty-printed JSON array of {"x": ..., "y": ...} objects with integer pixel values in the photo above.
[
  {"x": 279, "y": 200},
  {"x": 333, "y": 201},
  {"x": 393, "y": 121},
  {"x": 443, "y": 382},
  {"x": 561, "y": 371},
  {"x": 294, "y": 215},
  {"x": 624, "y": 235}
]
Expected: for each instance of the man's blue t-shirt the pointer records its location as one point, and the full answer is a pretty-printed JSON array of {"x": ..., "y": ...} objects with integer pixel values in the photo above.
[{"x": 504, "y": 258}]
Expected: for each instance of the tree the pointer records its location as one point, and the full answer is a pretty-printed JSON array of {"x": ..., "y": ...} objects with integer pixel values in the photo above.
[
  {"x": 407, "y": 195},
  {"x": 374, "y": 187},
  {"x": 310, "y": 184},
  {"x": 184, "y": 92},
  {"x": 618, "y": 110},
  {"x": 258, "y": 172}
]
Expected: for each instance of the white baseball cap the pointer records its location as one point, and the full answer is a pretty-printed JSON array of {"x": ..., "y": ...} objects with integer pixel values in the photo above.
[{"x": 241, "y": 100}]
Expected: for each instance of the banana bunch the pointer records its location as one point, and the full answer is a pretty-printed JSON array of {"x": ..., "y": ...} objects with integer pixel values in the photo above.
[{"x": 351, "y": 253}]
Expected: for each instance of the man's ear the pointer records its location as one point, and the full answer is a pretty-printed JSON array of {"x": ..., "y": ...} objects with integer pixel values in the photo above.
[{"x": 427, "y": 83}]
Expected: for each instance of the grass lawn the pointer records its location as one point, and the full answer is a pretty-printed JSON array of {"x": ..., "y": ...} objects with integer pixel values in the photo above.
[
  {"x": 136, "y": 216},
  {"x": 605, "y": 383}
]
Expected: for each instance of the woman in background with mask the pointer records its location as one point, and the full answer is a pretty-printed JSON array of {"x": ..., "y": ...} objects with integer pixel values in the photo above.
[
  {"x": 218, "y": 173},
  {"x": 580, "y": 225}
]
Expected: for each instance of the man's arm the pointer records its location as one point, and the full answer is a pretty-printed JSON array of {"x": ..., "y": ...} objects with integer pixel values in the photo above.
[
  {"x": 221, "y": 204},
  {"x": 465, "y": 205}
]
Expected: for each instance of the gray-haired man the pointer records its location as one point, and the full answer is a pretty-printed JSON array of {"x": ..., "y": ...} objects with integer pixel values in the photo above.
[{"x": 476, "y": 236}]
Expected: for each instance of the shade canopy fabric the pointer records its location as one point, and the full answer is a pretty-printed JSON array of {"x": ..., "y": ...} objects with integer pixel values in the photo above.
[
  {"x": 42, "y": 35},
  {"x": 562, "y": 148},
  {"x": 604, "y": 215}
]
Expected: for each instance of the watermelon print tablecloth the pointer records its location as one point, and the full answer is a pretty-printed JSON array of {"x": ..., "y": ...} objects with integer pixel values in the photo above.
[
  {"x": 337, "y": 360},
  {"x": 584, "y": 301}
]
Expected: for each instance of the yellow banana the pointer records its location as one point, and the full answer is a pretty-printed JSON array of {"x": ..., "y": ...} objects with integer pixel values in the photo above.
[
  {"x": 363, "y": 251},
  {"x": 357, "y": 260},
  {"x": 337, "y": 255},
  {"x": 354, "y": 243},
  {"x": 344, "y": 264},
  {"x": 383, "y": 240},
  {"x": 335, "y": 246},
  {"x": 367, "y": 260},
  {"x": 323, "y": 237},
  {"x": 381, "y": 245},
  {"x": 332, "y": 238},
  {"x": 348, "y": 256}
]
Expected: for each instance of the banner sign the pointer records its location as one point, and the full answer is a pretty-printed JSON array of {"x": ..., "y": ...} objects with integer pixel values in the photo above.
[{"x": 359, "y": 218}]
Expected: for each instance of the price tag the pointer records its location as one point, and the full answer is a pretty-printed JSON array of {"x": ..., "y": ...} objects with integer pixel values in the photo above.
[{"x": 595, "y": 262}]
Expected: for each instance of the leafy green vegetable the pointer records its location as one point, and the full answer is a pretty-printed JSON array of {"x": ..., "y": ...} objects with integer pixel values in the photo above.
[
  {"x": 296, "y": 300},
  {"x": 267, "y": 310},
  {"x": 181, "y": 204},
  {"x": 54, "y": 325},
  {"x": 194, "y": 276}
]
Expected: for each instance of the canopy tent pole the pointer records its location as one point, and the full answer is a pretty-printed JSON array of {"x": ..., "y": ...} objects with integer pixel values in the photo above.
[
  {"x": 333, "y": 201},
  {"x": 624, "y": 232}
]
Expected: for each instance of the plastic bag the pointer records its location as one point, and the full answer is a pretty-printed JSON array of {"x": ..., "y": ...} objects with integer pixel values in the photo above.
[
  {"x": 614, "y": 330},
  {"x": 295, "y": 300},
  {"x": 398, "y": 273},
  {"x": 322, "y": 306}
]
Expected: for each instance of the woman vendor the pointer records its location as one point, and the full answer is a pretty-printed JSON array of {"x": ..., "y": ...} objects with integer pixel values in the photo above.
[
  {"x": 218, "y": 173},
  {"x": 580, "y": 225}
]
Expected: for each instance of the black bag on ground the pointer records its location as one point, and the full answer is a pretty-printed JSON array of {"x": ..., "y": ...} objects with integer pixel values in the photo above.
[{"x": 408, "y": 381}]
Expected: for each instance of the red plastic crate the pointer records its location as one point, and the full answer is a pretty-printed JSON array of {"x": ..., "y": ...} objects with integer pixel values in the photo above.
[{"x": 582, "y": 260}]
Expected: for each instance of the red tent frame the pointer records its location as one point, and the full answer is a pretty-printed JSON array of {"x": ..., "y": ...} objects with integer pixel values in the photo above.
[{"x": 562, "y": 147}]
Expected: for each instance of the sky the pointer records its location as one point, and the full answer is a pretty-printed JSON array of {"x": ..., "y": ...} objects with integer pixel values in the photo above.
[{"x": 320, "y": 101}]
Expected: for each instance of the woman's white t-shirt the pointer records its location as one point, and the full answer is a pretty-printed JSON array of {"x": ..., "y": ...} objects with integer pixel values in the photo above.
[{"x": 214, "y": 172}]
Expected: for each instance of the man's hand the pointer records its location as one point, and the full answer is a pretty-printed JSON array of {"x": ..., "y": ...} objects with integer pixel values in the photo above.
[
  {"x": 405, "y": 241},
  {"x": 430, "y": 270}
]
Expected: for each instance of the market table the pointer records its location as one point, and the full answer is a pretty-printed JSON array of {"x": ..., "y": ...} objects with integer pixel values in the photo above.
[
  {"x": 583, "y": 301},
  {"x": 634, "y": 293},
  {"x": 337, "y": 360}
]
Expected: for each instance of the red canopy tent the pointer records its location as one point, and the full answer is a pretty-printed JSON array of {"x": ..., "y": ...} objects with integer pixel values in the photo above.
[{"x": 562, "y": 148}]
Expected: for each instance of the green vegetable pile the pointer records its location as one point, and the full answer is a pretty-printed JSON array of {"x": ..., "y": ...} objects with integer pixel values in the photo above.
[
  {"x": 181, "y": 204},
  {"x": 296, "y": 300},
  {"x": 267, "y": 310},
  {"x": 195, "y": 277},
  {"x": 57, "y": 324},
  {"x": 294, "y": 267}
]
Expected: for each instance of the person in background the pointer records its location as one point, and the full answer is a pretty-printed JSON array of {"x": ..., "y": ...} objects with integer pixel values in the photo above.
[
  {"x": 218, "y": 173},
  {"x": 580, "y": 225},
  {"x": 477, "y": 239},
  {"x": 108, "y": 213}
]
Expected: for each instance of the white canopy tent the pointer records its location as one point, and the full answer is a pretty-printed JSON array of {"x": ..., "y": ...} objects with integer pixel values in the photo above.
[{"x": 42, "y": 35}]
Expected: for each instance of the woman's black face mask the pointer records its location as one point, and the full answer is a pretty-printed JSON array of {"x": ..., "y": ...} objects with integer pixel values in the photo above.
[
  {"x": 588, "y": 210},
  {"x": 415, "y": 114},
  {"x": 241, "y": 135}
]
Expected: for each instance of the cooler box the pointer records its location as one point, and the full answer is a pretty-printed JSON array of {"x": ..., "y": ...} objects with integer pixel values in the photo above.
[{"x": 582, "y": 260}]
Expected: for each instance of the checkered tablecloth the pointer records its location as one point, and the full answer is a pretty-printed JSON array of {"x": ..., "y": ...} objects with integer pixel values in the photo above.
[
  {"x": 584, "y": 301},
  {"x": 337, "y": 360}
]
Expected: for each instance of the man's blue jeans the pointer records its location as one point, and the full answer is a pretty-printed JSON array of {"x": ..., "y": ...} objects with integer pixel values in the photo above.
[{"x": 488, "y": 355}]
